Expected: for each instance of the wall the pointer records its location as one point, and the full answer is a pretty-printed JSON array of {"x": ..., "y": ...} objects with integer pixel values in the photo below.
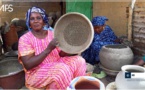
[
  {"x": 116, "y": 12},
  {"x": 138, "y": 29},
  {"x": 81, "y": 7},
  {"x": 20, "y": 9}
]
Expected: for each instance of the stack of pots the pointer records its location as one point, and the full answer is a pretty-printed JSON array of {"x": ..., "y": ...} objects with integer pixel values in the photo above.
[{"x": 113, "y": 57}]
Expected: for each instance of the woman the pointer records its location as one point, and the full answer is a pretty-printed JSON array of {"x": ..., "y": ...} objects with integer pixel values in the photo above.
[
  {"x": 103, "y": 36},
  {"x": 46, "y": 67}
]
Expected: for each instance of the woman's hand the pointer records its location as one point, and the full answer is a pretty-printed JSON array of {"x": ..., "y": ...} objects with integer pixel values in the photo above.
[
  {"x": 52, "y": 45},
  {"x": 30, "y": 61},
  {"x": 139, "y": 62},
  {"x": 118, "y": 41}
]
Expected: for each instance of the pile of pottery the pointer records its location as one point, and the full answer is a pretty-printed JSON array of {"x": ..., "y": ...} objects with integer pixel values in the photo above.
[{"x": 113, "y": 57}]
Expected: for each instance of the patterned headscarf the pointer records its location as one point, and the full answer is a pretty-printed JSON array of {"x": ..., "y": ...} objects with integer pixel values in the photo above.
[
  {"x": 99, "y": 20},
  {"x": 38, "y": 10}
]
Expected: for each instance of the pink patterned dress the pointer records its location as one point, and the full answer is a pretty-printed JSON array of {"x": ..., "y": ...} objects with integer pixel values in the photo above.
[{"x": 55, "y": 71}]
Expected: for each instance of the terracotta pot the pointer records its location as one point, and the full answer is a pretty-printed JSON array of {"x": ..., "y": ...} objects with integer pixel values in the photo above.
[
  {"x": 11, "y": 74},
  {"x": 86, "y": 82},
  {"x": 113, "y": 57},
  {"x": 130, "y": 78},
  {"x": 10, "y": 37}
]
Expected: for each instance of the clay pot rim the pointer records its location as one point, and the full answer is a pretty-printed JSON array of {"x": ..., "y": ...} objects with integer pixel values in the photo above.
[
  {"x": 123, "y": 68},
  {"x": 2, "y": 76},
  {"x": 107, "y": 46},
  {"x": 72, "y": 83},
  {"x": 11, "y": 54},
  {"x": 10, "y": 74}
]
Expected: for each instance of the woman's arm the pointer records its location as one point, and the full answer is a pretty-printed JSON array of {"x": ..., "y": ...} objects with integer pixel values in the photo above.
[
  {"x": 140, "y": 62},
  {"x": 30, "y": 61},
  {"x": 108, "y": 35}
]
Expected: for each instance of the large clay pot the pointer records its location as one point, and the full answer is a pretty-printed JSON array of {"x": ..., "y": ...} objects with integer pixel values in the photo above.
[
  {"x": 131, "y": 78},
  {"x": 86, "y": 82},
  {"x": 113, "y": 57}
]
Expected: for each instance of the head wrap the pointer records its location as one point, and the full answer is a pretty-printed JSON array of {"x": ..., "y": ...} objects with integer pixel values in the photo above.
[
  {"x": 38, "y": 10},
  {"x": 99, "y": 20}
]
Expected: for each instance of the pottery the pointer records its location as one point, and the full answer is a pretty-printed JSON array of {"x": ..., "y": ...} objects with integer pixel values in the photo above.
[
  {"x": 109, "y": 72},
  {"x": 10, "y": 58},
  {"x": 128, "y": 78},
  {"x": 90, "y": 67},
  {"x": 12, "y": 75},
  {"x": 74, "y": 32},
  {"x": 113, "y": 57},
  {"x": 111, "y": 86},
  {"x": 11, "y": 54},
  {"x": 86, "y": 82}
]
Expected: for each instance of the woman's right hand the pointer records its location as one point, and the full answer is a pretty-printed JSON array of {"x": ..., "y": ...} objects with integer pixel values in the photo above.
[
  {"x": 118, "y": 40},
  {"x": 52, "y": 45}
]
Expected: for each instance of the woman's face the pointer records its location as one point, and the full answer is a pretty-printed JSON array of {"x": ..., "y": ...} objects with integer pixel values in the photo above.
[
  {"x": 36, "y": 21},
  {"x": 98, "y": 29}
]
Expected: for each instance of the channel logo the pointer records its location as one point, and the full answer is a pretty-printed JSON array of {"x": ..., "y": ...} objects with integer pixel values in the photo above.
[
  {"x": 6, "y": 8},
  {"x": 127, "y": 74},
  {"x": 135, "y": 75}
]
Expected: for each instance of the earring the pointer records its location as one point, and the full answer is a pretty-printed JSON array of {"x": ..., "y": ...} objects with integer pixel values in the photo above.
[{"x": 103, "y": 28}]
